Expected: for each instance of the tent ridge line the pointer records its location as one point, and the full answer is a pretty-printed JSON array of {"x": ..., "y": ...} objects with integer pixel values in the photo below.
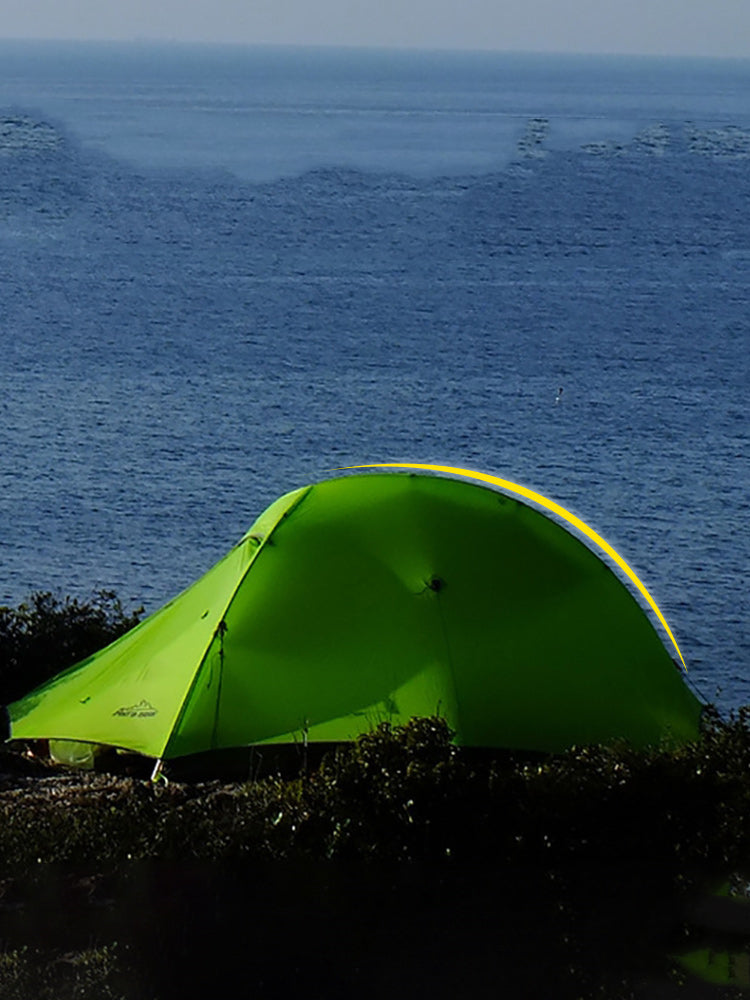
[
  {"x": 547, "y": 504},
  {"x": 221, "y": 626}
]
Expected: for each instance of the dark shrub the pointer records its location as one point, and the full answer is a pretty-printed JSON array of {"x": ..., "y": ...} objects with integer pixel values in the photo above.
[{"x": 46, "y": 634}]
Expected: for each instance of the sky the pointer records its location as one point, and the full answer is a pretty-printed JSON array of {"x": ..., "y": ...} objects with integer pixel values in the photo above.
[{"x": 652, "y": 27}]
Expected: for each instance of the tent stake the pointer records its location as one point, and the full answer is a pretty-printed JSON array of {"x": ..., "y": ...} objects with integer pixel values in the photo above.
[{"x": 156, "y": 773}]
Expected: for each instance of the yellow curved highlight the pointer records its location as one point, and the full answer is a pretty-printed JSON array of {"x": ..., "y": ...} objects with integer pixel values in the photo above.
[{"x": 537, "y": 498}]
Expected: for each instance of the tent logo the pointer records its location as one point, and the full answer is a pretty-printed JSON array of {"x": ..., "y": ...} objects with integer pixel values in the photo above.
[{"x": 143, "y": 710}]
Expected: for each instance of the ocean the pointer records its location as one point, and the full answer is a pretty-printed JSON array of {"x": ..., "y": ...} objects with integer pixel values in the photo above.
[{"x": 227, "y": 271}]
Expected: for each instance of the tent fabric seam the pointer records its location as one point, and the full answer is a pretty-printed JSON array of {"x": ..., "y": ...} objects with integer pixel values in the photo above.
[{"x": 222, "y": 620}]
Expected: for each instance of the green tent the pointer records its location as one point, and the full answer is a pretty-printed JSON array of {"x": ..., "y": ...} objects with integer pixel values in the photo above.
[{"x": 378, "y": 597}]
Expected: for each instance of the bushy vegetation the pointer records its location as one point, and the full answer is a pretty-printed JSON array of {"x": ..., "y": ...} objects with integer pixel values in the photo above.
[
  {"x": 575, "y": 868},
  {"x": 408, "y": 793},
  {"x": 87, "y": 974},
  {"x": 47, "y": 633}
]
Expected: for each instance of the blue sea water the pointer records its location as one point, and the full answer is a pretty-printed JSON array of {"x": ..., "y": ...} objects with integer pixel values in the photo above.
[{"x": 226, "y": 271}]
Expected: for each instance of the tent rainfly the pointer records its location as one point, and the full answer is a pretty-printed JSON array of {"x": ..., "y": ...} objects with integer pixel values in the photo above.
[{"x": 379, "y": 597}]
